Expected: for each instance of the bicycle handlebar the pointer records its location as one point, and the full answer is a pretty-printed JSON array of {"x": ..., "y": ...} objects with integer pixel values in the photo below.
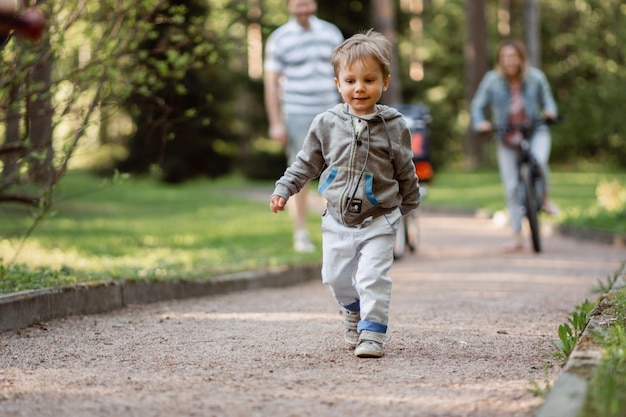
[{"x": 526, "y": 127}]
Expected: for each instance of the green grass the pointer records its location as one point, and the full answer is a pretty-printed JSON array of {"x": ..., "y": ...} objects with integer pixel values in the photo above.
[
  {"x": 606, "y": 394},
  {"x": 140, "y": 228},
  {"x": 574, "y": 192}
]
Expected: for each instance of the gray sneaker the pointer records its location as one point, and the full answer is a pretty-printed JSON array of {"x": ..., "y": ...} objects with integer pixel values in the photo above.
[
  {"x": 370, "y": 344},
  {"x": 350, "y": 323}
]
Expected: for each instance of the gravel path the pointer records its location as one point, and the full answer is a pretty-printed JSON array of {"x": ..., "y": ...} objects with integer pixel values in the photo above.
[{"x": 471, "y": 329}]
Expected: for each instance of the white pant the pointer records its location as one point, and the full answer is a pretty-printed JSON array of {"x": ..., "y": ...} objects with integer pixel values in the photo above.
[
  {"x": 356, "y": 263},
  {"x": 507, "y": 162}
]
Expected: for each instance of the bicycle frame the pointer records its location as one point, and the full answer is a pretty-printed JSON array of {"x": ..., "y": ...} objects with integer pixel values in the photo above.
[
  {"x": 531, "y": 189},
  {"x": 531, "y": 185}
]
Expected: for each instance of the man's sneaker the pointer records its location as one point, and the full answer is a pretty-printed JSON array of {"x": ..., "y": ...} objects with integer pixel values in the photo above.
[
  {"x": 302, "y": 242},
  {"x": 370, "y": 344},
  {"x": 350, "y": 323}
]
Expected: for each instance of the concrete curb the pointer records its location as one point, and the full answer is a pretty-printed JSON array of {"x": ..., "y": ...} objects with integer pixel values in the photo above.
[
  {"x": 22, "y": 309},
  {"x": 594, "y": 235},
  {"x": 567, "y": 397}
]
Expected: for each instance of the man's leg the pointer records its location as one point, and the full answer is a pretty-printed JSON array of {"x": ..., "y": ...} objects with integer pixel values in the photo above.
[
  {"x": 298, "y": 209},
  {"x": 297, "y": 127}
]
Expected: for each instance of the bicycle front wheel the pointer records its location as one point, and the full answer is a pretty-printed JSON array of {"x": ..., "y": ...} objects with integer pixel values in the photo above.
[{"x": 531, "y": 205}]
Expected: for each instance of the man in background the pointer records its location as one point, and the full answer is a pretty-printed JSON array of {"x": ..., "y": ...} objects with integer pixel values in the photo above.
[{"x": 299, "y": 85}]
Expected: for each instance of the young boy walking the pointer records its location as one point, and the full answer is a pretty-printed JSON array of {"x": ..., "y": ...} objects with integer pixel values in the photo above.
[{"x": 361, "y": 152}]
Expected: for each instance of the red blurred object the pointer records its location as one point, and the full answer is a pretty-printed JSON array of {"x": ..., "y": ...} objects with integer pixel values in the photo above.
[
  {"x": 423, "y": 168},
  {"x": 33, "y": 23},
  {"x": 424, "y": 171},
  {"x": 418, "y": 118},
  {"x": 29, "y": 23}
]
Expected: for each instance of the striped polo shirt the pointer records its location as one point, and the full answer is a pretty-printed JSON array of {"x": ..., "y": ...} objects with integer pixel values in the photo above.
[{"x": 303, "y": 57}]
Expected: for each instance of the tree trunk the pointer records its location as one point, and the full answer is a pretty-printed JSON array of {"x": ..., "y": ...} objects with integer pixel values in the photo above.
[
  {"x": 476, "y": 65},
  {"x": 384, "y": 21},
  {"x": 531, "y": 31},
  {"x": 12, "y": 121},
  {"x": 40, "y": 115}
]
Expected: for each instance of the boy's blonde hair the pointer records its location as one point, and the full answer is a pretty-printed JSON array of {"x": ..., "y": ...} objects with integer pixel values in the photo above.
[{"x": 361, "y": 46}]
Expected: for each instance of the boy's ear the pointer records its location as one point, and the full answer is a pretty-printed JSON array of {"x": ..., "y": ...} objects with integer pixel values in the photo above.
[{"x": 387, "y": 81}]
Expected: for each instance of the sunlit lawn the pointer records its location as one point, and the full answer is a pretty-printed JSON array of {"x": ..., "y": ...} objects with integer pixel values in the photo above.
[
  {"x": 473, "y": 190},
  {"x": 573, "y": 191},
  {"x": 140, "y": 228}
]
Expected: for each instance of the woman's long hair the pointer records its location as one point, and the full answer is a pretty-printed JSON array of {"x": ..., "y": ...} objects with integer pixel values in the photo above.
[{"x": 521, "y": 53}]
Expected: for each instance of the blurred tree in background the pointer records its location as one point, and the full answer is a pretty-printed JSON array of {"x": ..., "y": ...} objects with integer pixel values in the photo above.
[
  {"x": 183, "y": 103},
  {"x": 585, "y": 60}
]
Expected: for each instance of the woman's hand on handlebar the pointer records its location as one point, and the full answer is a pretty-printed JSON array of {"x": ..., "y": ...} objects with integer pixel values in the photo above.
[
  {"x": 549, "y": 115},
  {"x": 484, "y": 127}
]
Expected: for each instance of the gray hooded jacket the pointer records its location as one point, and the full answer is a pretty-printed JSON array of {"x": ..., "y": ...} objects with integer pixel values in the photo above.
[{"x": 361, "y": 176}]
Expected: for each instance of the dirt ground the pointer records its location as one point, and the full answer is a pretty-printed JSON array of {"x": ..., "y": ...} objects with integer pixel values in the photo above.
[{"x": 471, "y": 329}]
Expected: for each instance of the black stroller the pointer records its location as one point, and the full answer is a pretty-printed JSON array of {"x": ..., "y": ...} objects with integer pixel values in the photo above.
[{"x": 418, "y": 118}]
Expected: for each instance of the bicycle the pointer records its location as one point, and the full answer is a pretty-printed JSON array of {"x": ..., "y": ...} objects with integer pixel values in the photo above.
[{"x": 531, "y": 186}]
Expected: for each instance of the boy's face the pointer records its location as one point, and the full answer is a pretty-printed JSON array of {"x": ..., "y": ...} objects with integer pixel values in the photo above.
[{"x": 361, "y": 84}]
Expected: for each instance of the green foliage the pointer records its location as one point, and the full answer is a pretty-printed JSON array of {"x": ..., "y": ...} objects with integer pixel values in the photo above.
[
  {"x": 584, "y": 64},
  {"x": 182, "y": 101},
  {"x": 442, "y": 89},
  {"x": 580, "y": 317},
  {"x": 265, "y": 160},
  {"x": 570, "y": 332},
  {"x": 566, "y": 343},
  {"x": 603, "y": 287},
  {"x": 606, "y": 393},
  {"x": 350, "y": 16}
]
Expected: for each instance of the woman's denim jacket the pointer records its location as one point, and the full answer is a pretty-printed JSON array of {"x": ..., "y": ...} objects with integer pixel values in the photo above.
[{"x": 494, "y": 93}]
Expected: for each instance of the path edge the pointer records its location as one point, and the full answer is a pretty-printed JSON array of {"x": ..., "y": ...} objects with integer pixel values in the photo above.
[
  {"x": 25, "y": 308},
  {"x": 567, "y": 396}
]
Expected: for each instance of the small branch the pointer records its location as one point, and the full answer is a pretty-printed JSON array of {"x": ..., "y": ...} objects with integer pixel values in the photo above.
[
  {"x": 18, "y": 198},
  {"x": 12, "y": 147}
]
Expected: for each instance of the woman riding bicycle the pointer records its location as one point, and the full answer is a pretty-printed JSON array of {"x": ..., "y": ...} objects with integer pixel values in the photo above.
[{"x": 515, "y": 93}]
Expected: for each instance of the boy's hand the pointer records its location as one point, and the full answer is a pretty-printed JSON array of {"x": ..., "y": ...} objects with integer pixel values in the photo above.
[{"x": 277, "y": 203}]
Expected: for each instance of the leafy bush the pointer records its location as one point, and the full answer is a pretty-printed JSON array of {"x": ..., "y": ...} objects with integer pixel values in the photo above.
[
  {"x": 266, "y": 160},
  {"x": 609, "y": 212},
  {"x": 569, "y": 335}
]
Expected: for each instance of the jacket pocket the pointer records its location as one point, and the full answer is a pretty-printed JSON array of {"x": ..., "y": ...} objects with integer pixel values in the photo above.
[
  {"x": 369, "y": 189},
  {"x": 329, "y": 180}
]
